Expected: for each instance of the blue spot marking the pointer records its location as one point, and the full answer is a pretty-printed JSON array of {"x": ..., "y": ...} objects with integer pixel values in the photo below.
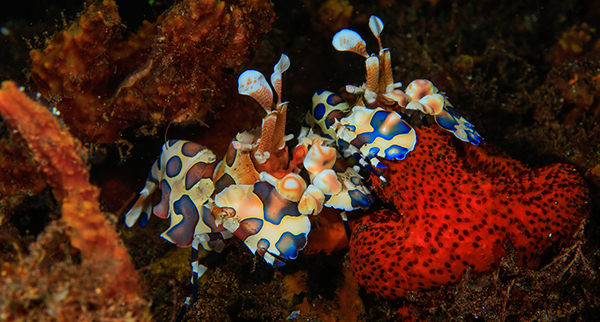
[
  {"x": 373, "y": 151},
  {"x": 320, "y": 92},
  {"x": 209, "y": 221},
  {"x": 343, "y": 145},
  {"x": 378, "y": 119},
  {"x": 190, "y": 149},
  {"x": 249, "y": 227},
  {"x": 333, "y": 116},
  {"x": 334, "y": 99},
  {"x": 162, "y": 208},
  {"x": 195, "y": 173},
  {"x": 289, "y": 244},
  {"x": 225, "y": 181},
  {"x": 275, "y": 206},
  {"x": 474, "y": 137},
  {"x": 173, "y": 167},
  {"x": 266, "y": 241},
  {"x": 171, "y": 143},
  {"x": 143, "y": 218},
  {"x": 150, "y": 176},
  {"x": 359, "y": 199},
  {"x": 182, "y": 234},
  {"x": 400, "y": 128},
  {"x": 397, "y": 152},
  {"x": 447, "y": 121},
  {"x": 319, "y": 111}
]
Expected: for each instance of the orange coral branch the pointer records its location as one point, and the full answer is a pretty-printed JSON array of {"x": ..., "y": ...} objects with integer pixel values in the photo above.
[{"x": 62, "y": 158}]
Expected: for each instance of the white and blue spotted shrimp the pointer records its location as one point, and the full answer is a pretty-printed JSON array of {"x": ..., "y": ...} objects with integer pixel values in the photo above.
[
  {"x": 269, "y": 224},
  {"x": 209, "y": 202},
  {"x": 327, "y": 109},
  {"x": 361, "y": 132},
  {"x": 423, "y": 96},
  {"x": 183, "y": 175},
  {"x": 186, "y": 172},
  {"x": 332, "y": 182},
  {"x": 341, "y": 185},
  {"x": 372, "y": 128},
  {"x": 380, "y": 89}
]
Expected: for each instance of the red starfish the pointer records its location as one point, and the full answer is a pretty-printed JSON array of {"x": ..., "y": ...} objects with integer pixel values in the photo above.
[{"x": 455, "y": 204}]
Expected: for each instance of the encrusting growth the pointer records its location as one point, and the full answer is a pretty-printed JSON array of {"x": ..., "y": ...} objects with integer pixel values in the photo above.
[{"x": 63, "y": 160}]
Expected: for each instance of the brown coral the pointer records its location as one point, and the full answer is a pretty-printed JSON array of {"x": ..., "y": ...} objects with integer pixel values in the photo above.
[
  {"x": 17, "y": 170},
  {"x": 333, "y": 15},
  {"x": 103, "y": 83},
  {"x": 105, "y": 262},
  {"x": 575, "y": 43},
  {"x": 567, "y": 108}
]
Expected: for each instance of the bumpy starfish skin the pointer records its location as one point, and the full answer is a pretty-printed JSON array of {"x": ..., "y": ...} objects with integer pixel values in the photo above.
[{"x": 455, "y": 204}]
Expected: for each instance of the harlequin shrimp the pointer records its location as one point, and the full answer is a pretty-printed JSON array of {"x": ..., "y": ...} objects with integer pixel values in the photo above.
[
  {"x": 255, "y": 193},
  {"x": 373, "y": 128},
  {"x": 333, "y": 183}
]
